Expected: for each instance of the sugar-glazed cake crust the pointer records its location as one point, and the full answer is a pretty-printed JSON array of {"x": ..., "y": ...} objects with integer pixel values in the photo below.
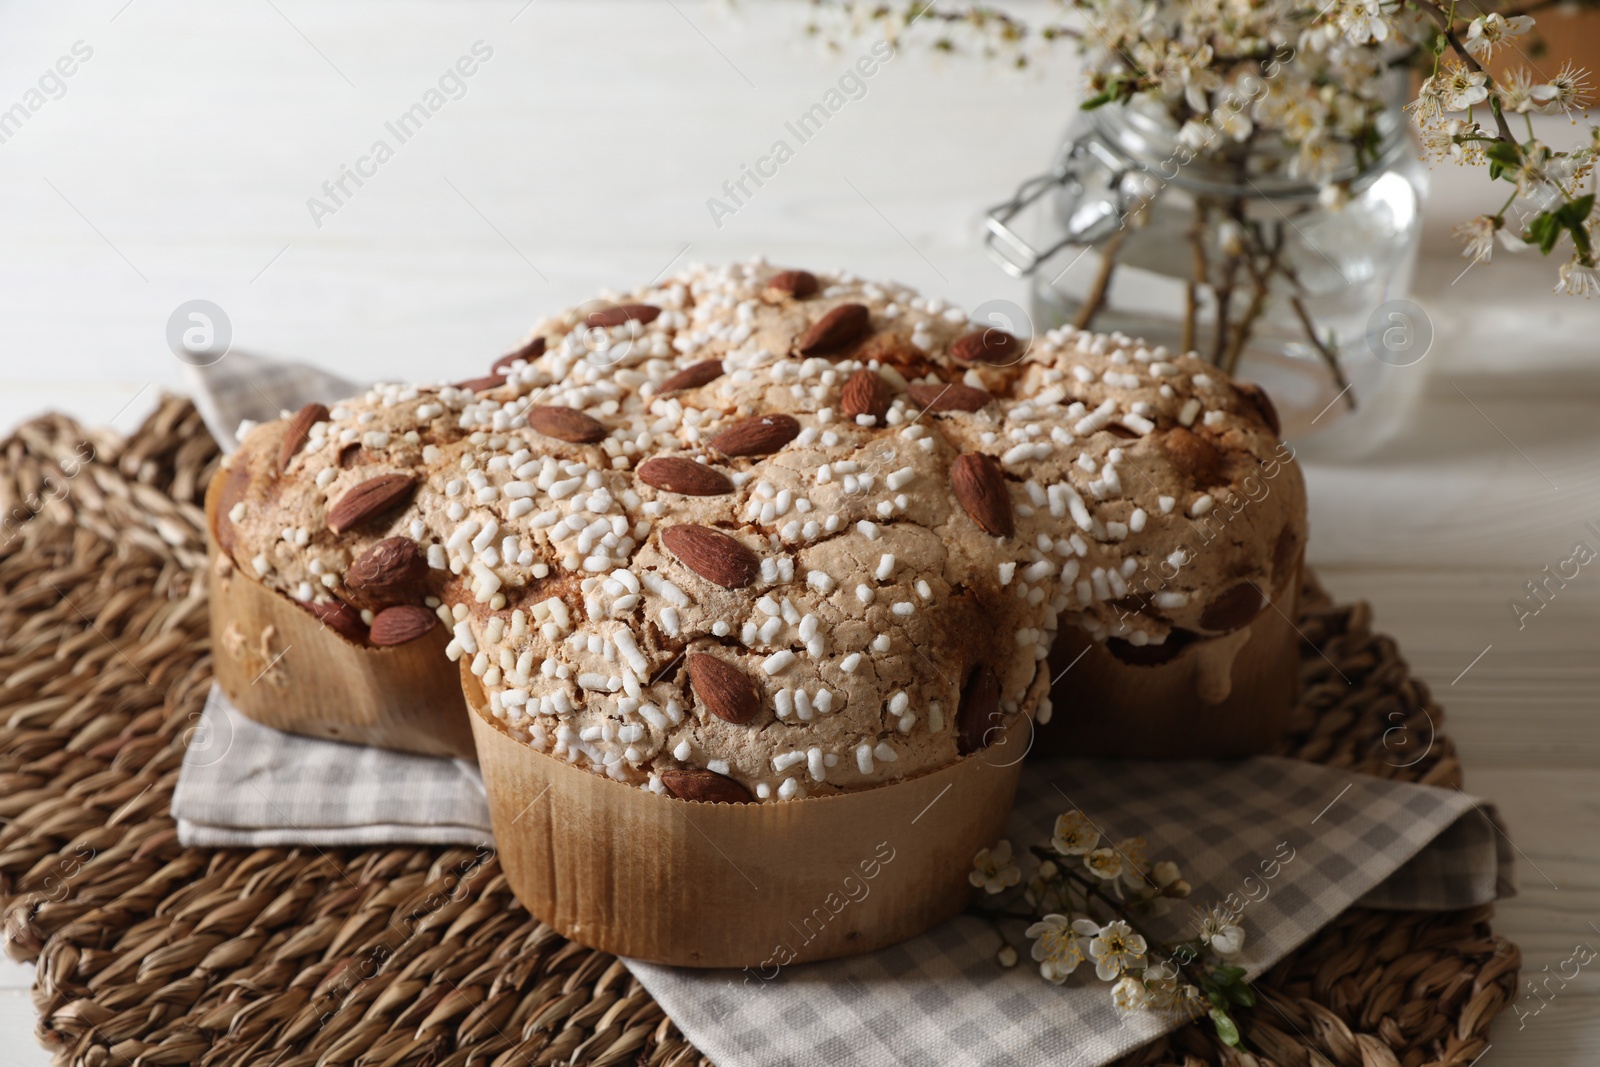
[{"x": 753, "y": 534}]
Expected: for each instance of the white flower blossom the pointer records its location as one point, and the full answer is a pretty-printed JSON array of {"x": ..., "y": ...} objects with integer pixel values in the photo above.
[
  {"x": 1171, "y": 995},
  {"x": 1130, "y": 994},
  {"x": 1197, "y": 78},
  {"x": 1115, "y": 948},
  {"x": 1166, "y": 873},
  {"x": 1074, "y": 834},
  {"x": 1477, "y": 238},
  {"x": 1429, "y": 104},
  {"x": 1196, "y": 135},
  {"x": 1229, "y": 941},
  {"x": 1362, "y": 21},
  {"x": 1579, "y": 279},
  {"x": 1233, "y": 119},
  {"x": 1104, "y": 863},
  {"x": 1123, "y": 19},
  {"x": 993, "y": 869},
  {"x": 1567, "y": 92},
  {"x": 1318, "y": 157},
  {"x": 1511, "y": 240},
  {"x": 1541, "y": 176},
  {"x": 1519, "y": 95},
  {"x": 1565, "y": 169},
  {"x": 1444, "y": 141},
  {"x": 1488, "y": 32},
  {"x": 1134, "y": 862},
  {"x": 1218, "y": 930},
  {"x": 1463, "y": 87},
  {"x": 1058, "y": 945}
]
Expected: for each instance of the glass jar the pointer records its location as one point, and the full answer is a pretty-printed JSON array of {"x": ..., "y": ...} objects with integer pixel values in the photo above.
[{"x": 1131, "y": 231}]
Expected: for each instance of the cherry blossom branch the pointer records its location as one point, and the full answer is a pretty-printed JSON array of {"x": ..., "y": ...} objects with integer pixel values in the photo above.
[
  {"x": 1188, "y": 967},
  {"x": 1438, "y": 15}
]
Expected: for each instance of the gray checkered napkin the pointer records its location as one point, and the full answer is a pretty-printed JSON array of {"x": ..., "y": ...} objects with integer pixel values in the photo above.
[
  {"x": 939, "y": 998},
  {"x": 942, "y": 999}
]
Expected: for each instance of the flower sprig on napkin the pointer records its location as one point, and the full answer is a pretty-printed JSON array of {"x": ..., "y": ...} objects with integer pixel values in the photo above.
[{"x": 1087, "y": 901}]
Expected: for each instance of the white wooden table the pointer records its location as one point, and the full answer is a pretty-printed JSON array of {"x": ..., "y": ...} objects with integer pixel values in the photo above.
[{"x": 178, "y": 161}]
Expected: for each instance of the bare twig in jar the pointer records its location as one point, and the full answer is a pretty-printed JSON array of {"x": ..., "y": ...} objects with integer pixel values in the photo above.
[
  {"x": 1191, "y": 310},
  {"x": 1255, "y": 245},
  {"x": 1328, "y": 355},
  {"x": 1191, "y": 292},
  {"x": 1276, "y": 265},
  {"x": 1224, "y": 295},
  {"x": 1096, "y": 298},
  {"x": 1221, "y": 344},
  {"x": 1246, "y": 326}
]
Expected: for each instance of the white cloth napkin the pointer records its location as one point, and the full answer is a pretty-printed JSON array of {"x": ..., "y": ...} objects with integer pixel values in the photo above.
[{"x": 938, "y": 998}]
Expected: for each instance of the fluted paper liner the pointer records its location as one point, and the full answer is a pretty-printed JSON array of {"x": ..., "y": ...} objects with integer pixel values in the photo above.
[
  {"x": 1221, "y": 697},
  {"x": 757, "y": 885},
  {"x": 282, "y": 667}
]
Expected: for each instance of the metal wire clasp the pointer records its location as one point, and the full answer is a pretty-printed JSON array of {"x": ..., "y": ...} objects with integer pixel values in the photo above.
[{"x": 1014, "y": 253}]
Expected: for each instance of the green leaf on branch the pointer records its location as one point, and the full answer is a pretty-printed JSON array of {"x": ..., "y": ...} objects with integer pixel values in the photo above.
[
  {"x": 1503, "y": 156},
  {"x": 1504, "y": 153},
  {"x": 1544, "y": 231},
  {"x": 1226, "y": 1030},
  {"x": 1574, "y": 212},
  {"x": 1226, "y": 983},
  {"x": 1098, "y": 100},
  {"x": 1580, "y": 241}
]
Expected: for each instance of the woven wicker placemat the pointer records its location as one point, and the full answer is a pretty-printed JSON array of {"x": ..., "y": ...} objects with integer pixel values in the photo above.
[{"x": 149, "y": 953}]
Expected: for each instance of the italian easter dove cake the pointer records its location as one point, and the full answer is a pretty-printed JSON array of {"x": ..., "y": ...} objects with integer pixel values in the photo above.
[{"x": 777, "y": 548}]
